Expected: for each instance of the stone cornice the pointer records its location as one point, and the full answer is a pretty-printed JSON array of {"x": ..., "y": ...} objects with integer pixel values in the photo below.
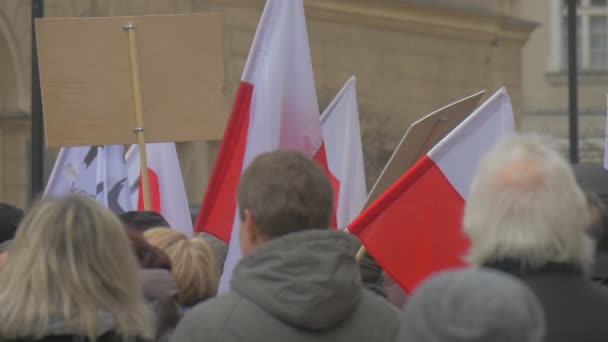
[{"x": 423, "y": 19}]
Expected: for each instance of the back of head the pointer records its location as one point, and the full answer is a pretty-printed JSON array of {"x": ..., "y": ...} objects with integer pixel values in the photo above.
[
  {"x": 143, "y": 220},
  {"x": 193, "y": 264},
  {"x": 10, "y": 217},
  {"x": 525, "y": 206},
  {"x": 149, "y": 257},
  {"x": 286, "y": 192},
  {"x": 70, "y": 262},
  {"x": 474, "y": 305}
]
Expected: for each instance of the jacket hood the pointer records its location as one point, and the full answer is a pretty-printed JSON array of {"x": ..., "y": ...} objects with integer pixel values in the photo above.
[{"x": 308, "y": 279}]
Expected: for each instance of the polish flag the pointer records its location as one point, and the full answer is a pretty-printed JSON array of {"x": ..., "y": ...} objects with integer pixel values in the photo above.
[
  {"x": 275, "y": 107},
  {"x": 167, "y": 192},
  {"x": 342, "y": 137},
  {"x": 414, "y": 228}
]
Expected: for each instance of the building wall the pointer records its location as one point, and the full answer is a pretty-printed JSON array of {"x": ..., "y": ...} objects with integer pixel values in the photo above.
[
  {"x": 545, "y": 91},
  {"x": 409, "y": 59}
]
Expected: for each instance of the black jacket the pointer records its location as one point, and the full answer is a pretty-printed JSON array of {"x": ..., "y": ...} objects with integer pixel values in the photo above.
[{"x": 576, "y": 308}]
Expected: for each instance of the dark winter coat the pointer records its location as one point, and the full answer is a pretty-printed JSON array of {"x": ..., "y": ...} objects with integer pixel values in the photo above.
[{"x": 575, "y": 307}]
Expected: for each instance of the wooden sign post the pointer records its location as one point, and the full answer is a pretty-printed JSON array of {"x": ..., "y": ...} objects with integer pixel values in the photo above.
[
  {"x": 103, "y": 78},
  {"x": 418, "y": 140},
  {"x": 139, "y": 115}
]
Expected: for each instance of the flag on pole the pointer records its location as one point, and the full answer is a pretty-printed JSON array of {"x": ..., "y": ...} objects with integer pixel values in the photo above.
[
  {"x": 275, "y": 107},
  {"x": 414, "y": 228},
  {"x": 167, "y": 191},
  {"x": 342, "y": 138},
  {"x": 98, "y": 172}
]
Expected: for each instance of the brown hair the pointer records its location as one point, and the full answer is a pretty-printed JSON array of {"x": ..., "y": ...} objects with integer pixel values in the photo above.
[
  {"x": 149, "y": 257},
  {"x": 194, "y": 266},
  {"x": 286, "y": 192}
]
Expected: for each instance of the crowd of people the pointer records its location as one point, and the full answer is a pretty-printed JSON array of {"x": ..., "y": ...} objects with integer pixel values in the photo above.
[{"x": 70, "y": 270}]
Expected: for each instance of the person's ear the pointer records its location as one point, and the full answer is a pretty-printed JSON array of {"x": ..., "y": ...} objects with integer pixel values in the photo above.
[{"x": 249, "y": 234}]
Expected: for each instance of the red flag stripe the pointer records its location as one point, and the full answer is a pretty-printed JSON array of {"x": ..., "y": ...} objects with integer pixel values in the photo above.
[
  {"x": 216, "y": 214},
  {"x": 420, "y": 217},
  {"x": 321, "y": 158},
  {"x": 154, "y": 193}
]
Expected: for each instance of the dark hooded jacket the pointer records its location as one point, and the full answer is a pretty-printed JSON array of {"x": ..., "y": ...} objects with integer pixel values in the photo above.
[{"x": 300, "y": 287}]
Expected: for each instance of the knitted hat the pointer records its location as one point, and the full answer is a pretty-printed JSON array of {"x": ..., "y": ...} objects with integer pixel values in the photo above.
[{"x": 473, "y": 305}]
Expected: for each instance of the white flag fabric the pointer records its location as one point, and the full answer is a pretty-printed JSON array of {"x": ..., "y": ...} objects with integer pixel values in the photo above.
[
  {"x": 275, "y": 107},
  {"x": 75, "y": 171},
  {"x": 167, "y": 188},
  {"x": 98, "y": 172},
  {"x": 112, "y": 189},
  {"x": 342, "y": 138}
]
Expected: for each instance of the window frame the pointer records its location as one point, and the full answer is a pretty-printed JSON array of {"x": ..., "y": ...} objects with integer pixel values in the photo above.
[{"x": 558, "y": 62}]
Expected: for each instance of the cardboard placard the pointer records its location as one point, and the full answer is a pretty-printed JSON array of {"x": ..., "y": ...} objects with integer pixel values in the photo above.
[
  {"x": 87, "y": 85},
  {"x": 419, "y": 138}
]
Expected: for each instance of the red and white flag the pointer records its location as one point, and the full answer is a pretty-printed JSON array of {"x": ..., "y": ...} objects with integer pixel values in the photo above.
[
  {"x": 167, "y": 192},
  {"x": 414, "y": 228},
  {"x": 342, "y": 137},
  {"x": 275, "y": 107}
]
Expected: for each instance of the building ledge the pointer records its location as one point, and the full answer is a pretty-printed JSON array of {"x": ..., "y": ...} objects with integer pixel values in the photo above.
[
  {"x": 416, "y": 18},
  {"x": 584, "y": 77},
  {"x": 14, "y": 120}
]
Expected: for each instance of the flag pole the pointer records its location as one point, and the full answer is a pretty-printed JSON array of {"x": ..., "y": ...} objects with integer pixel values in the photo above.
[
  {"x": 361, "y": 253},
  {"x": 139, "y": 116},
  {"x": 37, "y": 125}
]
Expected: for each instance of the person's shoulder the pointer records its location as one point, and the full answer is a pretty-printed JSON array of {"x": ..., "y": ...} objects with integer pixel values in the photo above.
[
  {"x": 379, "y": 310},
  {"x": 599, "y": 290},
  {"x": 209, "y": 319}
]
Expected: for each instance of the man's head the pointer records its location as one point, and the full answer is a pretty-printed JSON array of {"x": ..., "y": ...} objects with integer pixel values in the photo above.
[
  {"x": 282, "y": 192},
  {"x": 525, "y": 205},
  {"x": 143, "y": 220},
  {"x": 10, "y": 217}
]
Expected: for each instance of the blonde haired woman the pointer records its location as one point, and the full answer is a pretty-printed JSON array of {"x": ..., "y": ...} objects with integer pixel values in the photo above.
[
  {"x": 194, "y": 266},
  {"x": 71, "y": 276}
]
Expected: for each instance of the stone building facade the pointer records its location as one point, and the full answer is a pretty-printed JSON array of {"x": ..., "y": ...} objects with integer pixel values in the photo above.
[{"x": 409, "y": 57}]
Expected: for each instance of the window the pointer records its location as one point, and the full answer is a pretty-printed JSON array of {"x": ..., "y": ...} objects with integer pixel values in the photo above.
[{"x": 592, "y": 35}]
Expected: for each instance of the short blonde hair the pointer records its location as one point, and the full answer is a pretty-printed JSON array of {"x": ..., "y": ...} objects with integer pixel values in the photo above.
[
  {"x": 525, "y": 205},
  {"x": 70, "y": 261},
  {"x": 194, "y": 266}
]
